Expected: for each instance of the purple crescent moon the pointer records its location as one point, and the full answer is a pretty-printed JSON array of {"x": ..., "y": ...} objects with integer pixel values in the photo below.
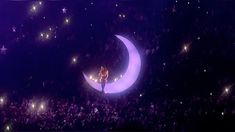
[{"x": 128, "y": 78}]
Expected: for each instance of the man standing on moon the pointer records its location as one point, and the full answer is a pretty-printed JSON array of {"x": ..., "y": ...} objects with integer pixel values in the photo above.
[{"x": 103, "y": 76}]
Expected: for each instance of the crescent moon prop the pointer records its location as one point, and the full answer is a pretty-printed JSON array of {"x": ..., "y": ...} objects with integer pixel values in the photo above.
[{"x": 128, "y": 78}]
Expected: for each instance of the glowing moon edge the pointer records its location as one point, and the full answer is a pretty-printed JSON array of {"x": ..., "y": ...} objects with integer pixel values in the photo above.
[{"x": 128, "y": 78}]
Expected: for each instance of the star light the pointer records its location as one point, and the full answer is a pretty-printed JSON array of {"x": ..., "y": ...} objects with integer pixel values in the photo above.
[
  {"x": 34, "y": 8},
  {"x": 226, "y": 90},
  {"x": 90, "y": 77},
  {"x": 47, "y": 36},
  {"x": 42, "y": 107},
  {"x": 74, "y": 60},
  {"x": 3, "y": 50},
  {"x": 32, "y": 105},
  {"x": 40, "y": 2},
  {"x": 1, "y": 100},
  {"x": 14, "y": 29},
  {"x": 66, "y": 20},
  {"x": 41, "y": 34},
  {"x": 7, "y": 128},
  {"x": 185, "y": 48},
  {"x": 64, "y": 10}
]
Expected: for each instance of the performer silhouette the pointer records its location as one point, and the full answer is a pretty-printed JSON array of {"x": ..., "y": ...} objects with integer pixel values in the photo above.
[{"x": 103, "y": 76}]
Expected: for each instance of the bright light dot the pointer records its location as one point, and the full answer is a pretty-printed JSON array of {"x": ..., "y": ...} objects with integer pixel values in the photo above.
[
  {"x": 33, "y": 105},
  {"x": 41, "y": 34},
  {"x": 90, "y": 77},
  {"x": 181, "y": 102},
  {"x": 226, "y": 90},
  {"x": 50, "y": 28},
  {"x": 211, "y": 94},
  {"x": 1, "y": 100},
  {"x": 47, "y": 36},
  {"x": 96, "y": 80},
  {"x": 92, "y": 3},
  {"x": 66, "y": 21},
  {"x": 188, "y": 2},
  {"x": 123, "y": 15},
  {"x": 185, "y": 48},
  {"x": 116, "y": 5},
  {"x": 74, "y": 60},
  {"x": 222, "y": 113},
  {"x": 34, "y": 8},
  {"x": 141, "y": 95},
  {"x": 204, "y": 70},
  {"x": 7, "y": 128},
  {"x": 64, "y": 10},
  {"x": 121, "y": 76},
  {"x": 40, "y": 3},
  {"x": 115, "y": 79},
  {"x": 120, "y": 15},
  {"x": 42, "y": 106},
  {"x": 13, "y": 29}
]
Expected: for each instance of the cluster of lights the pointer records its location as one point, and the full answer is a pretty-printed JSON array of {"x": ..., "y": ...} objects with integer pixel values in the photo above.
[
  {"x": 96, "y": 80},
  {"x": 92, "y": 78},
  {"x": 36, "y": 6},
  {"x": 117, "y": 78},
  {"x": 39, "y": 107},
  {"x": 47, "y": 34},
  {"x": 122, "y": 16}
]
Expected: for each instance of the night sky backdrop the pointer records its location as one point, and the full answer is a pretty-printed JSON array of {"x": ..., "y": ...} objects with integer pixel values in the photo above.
[{"x": 187, "y": 49}]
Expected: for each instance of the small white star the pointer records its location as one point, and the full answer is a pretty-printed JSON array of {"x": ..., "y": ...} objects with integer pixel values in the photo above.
[
  {"x": 14, "y": 29},
  {"x": 64, "y": 10},
  {"x": 3, "y": 50},
  {"x": 7, "y": 128}
]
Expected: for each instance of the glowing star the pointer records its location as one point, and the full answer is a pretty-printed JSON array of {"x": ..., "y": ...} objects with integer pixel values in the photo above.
[
  {"x": 74, "y": 60},
  {"x": 141, "y": 95},
  {"x": 34, "y": 8},
  {"x": 7, "y": 128},
  {"x": 33, "y": 105},
  {"x": 42, "y": 106},
  {"x": 47, "y": 36},
  {"x": 90, "y": 77},
  {"x": 41, "y": 34},
  {"x": 115, "y": 79},
  {"x": 40, "y": 2},
  {"x": 14, "y": 29},
  {"x": 1, "y": 100},
  {"x": 66, "y": 20},
  {"x": 3, "y": 50},
  {"x": 64, "y": 10},
  {"x": 226, "y": 90},
  {"x": 222, "y": 113},
  {"x": 210, "y": 93}
]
